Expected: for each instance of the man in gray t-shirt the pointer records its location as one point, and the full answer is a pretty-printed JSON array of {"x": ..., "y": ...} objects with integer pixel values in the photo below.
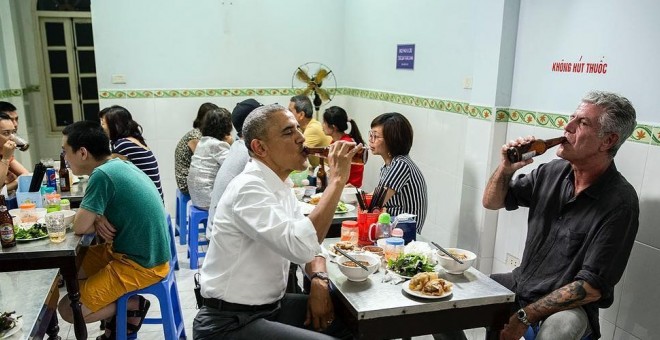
[{"x": 237, "y": 158}]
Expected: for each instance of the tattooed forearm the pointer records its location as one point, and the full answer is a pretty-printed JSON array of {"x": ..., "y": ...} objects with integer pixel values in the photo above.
[
  {"x": 572, "y": 295},
  {"x": 496, "y": 189}
]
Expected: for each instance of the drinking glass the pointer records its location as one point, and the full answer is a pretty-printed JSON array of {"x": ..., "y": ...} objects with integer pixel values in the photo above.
[{"x": 56, "y": 227}]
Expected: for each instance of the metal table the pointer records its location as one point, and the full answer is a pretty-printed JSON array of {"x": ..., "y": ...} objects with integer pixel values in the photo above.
[
  {"x": 33, "y": 295},
  {"x": 43, "y": 254},
  {"x": 376, "y": 310}
]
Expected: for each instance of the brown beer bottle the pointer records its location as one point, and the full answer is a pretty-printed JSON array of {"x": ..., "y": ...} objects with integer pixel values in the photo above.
[
  {"x": 528, "y": 150},
  {"x": 65, "y": 184},
  {"x": 321, "y": 177},
  {"x": 359, "y": 158},
  {"x": 6, "y": 225}
]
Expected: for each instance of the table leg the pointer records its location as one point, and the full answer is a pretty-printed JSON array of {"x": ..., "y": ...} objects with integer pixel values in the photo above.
[
  {"x": 492, "y": 334},
  {"x": 71, "y": 278},
  {"x": 53, "y": 328}
]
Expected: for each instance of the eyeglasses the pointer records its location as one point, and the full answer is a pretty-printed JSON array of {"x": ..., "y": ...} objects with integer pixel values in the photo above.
[{"x": 373, "y": 136}]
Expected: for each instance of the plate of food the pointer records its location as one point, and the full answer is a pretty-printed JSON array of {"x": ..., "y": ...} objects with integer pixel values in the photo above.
[
  {"x": 428, "y": 286},
  {"x": 407, "y": 265},
  {"x": 345, "y": 246},
  {"x": 342, "y": 208},
  {"x": 36, "y": 232},
  {"x": 9, "y": 324}
]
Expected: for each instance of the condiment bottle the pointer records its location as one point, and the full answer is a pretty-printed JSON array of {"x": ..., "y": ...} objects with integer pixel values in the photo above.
[
  {"x": 28, "y": 212},
  {"x": 359, "y": 158},
  {"x": 321, "y": 178},
  {"x": 65, "y": 180},
  {"x": 65, "y": 204},
  {"x": 53, "y": 202},
  {"x": 350, "y": 232},
  {"x": 397, "y": 232},
  {"x": 7, "y": 236},
  {"x": 532, "y": 149},
  {"x": 393, "y": 247},
  {"x": 383, "y": 228}
]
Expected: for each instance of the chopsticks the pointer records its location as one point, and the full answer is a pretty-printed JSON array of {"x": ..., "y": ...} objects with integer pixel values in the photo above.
[
  {"x": 360, "y": 199},
  {"x": 446, "y": 252},
  {"x": 351, "y": 258}
]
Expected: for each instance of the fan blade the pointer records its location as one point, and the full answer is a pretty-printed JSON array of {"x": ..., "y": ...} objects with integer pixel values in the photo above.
[
  {"x": 307, "y": 91},
  {"x": 302, "y": 76},
  {"x": 320, "y": 76},
  {"x": 323, "y": 94}
]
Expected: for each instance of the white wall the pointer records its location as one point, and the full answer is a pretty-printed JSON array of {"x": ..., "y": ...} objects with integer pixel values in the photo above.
[{"x": 249, "y": 43}]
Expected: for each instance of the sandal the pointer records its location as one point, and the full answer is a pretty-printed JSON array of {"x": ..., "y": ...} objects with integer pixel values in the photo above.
[
  {"x": 141, "y": 313},
  {"x": 132, "y": 329},
  {"x": 109, "y": 325}
]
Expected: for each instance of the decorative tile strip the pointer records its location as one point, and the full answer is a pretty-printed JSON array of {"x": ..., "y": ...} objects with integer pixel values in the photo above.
[
  {"x": 643, "y": 133},
  {"x": 655, "y": 136},
  {"x": 18, "y": 92}
]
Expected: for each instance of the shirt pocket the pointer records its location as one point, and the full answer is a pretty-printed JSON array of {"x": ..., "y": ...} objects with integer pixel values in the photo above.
[{"x": 570, "y": 241}]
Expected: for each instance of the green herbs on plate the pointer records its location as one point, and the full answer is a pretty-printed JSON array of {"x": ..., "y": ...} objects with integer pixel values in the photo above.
[
  {"x": 35, "y": 231},
  {"x": 410, "y": 264}
]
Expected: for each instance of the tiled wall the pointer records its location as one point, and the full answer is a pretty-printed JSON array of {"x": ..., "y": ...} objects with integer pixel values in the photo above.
[{"x": 457, "y": 151}]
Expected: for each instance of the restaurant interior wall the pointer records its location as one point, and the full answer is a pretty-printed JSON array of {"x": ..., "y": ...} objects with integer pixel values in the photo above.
[{"x": 455, "y": 149}]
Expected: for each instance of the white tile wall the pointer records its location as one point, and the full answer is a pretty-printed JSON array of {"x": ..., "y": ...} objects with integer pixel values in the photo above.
[{"x": 649, "y": 204}]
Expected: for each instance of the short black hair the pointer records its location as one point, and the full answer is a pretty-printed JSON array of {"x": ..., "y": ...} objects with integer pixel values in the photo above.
[
  {"x": 397, "y": 132},
  {"x": 217, "y": 124},
  {"x": 7, "y": 107},
  {"x": 302, "y": 104},
  {"x": 201, "y": 113},
  {"x": 88, "y": 134}
]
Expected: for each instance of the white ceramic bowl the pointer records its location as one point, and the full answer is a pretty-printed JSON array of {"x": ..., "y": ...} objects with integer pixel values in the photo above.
[
  {"x": 68, "y": 217},
  {"x": 357, "y": 273},
  {"x": 40, "y": 212},
  {"x": 348, "y": 196},
  {"x": 453, "y": 267}
]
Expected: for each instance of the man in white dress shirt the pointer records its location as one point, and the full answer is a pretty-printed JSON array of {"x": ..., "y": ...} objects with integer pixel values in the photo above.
[{"x": 258, "y": 230}]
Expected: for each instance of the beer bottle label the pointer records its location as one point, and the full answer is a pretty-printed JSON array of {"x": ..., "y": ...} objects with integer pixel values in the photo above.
[
  {"x": 7, "y": 232},
  {"x": 527, "y": 155}
]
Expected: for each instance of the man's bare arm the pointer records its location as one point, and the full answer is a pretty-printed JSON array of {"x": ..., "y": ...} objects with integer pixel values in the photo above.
[{"x": 574, "y": 294}]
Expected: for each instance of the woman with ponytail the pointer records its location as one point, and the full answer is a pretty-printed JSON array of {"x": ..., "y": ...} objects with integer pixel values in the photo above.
[{"x": 335, "y": 124}]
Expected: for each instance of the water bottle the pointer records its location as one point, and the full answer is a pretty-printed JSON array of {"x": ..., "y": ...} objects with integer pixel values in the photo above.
[{"x": 383, "y": 227}]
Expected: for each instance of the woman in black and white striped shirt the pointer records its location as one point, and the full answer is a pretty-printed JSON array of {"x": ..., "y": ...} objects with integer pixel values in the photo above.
[
  {"x": 391, "y": 137},
  {"x": 127, "y": 142}
]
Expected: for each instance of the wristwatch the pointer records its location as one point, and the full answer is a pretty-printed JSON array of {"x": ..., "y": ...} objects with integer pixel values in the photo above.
[
  {"x": 321, "y": 275},
  {"x": 522, "y": 316}
]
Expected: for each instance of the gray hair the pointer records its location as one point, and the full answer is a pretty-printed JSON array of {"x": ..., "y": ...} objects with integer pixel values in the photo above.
[
  {"x": 618, "y": 116},
  {"x": 256, "y": 123},
  {"x": 302, "y": 104}
]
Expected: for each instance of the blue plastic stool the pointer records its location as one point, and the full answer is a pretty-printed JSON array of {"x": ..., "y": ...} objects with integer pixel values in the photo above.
[
  {"x": 175, "y": 257},
  {"x": 180, "y": 218},
  {"x": 196, "y": 216},
  {"x": 170, "y": 309}
]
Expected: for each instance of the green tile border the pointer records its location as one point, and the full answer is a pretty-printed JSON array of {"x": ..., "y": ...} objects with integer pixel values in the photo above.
[
  {"x": 646, "y": 134},
  {"x": 8, "y": 93}
]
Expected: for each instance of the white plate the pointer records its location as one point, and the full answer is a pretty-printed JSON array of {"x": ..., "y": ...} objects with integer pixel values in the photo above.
[
  {"x": 307, "y": 208},
  {"x": 6, "y": 334},
  {"x": 415, "y": 293}
]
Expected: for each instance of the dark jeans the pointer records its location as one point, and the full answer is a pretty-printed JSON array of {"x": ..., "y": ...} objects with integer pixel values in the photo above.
[{"x": 284, "y": 322}]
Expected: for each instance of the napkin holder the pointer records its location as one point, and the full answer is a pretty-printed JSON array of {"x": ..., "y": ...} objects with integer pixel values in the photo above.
[{"x": 22, "y": 194}]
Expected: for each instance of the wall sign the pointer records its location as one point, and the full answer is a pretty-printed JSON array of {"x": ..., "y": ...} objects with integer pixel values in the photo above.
[
  {"x": 579, "y": 66},
  {"x": 405, "y": 56}
]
